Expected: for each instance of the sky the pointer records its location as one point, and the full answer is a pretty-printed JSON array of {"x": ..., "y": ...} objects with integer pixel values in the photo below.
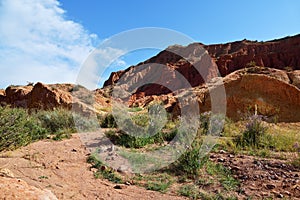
[{"x": 49, "y": 40}]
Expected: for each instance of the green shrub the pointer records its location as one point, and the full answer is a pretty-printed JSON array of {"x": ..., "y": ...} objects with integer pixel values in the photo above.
[
  {"x": 57, "y": 120},
  {"x": 254, "y": 133},
  {"x": 107, "y": 121},
  {"x": 189, "y": 163},
  {"x": 61, "y": 122},
  {"x": 18, "y": 128}
]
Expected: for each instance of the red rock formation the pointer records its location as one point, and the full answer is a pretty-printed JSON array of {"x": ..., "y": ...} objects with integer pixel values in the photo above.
[
  {"x": 37, "y": 96},
  {"x": 229, "y": 57},
  {"x": 276, "y": 54},
  {"x": 273, "y": 97}
]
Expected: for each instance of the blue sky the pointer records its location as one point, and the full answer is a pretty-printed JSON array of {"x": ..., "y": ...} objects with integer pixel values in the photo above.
[{"x": 48, "y": 40}]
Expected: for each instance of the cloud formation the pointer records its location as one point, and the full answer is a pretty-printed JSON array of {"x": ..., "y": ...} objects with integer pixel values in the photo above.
[{"x": 38, "y": 43}]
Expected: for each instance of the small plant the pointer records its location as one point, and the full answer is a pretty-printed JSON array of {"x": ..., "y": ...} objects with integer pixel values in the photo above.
[
  {"x": 102, "y": 170},
  {"x": 190, "y": 191},
  {"x": 123, "y": 139},
  {"x": 255, "y": 131},
  {"x": 135, "y": 109},
  {"x": 108, "y": 121},
  {"x": 289, "y": 68},
  {"x": 251, "y": 64},
  {"x": 189, "y": 163},
  {"x": 155, "y": 182}
]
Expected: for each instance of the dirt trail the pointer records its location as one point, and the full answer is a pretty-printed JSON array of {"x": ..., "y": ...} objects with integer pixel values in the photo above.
[{"x": 61, "y": 167}]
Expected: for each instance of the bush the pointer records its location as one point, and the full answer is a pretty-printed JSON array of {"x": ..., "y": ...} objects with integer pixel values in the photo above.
[
  {"x": 254, "y": 133},
  {"x": 57, "y": 120},
  {"x": 108, "y": 121},
  {"x": 18, "y": 128}
]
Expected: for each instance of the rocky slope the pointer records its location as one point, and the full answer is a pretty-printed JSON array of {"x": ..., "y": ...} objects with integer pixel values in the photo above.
[
  {"x": 229, "y": 57},
  {"x": 273, "y": 87}
]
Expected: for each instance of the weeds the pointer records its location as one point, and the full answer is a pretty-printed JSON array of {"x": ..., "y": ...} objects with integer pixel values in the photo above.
[
  {"x": 107, "y": 121},
  {"x": 102, "y": 170},
  {"x": 254, "y": 133}
]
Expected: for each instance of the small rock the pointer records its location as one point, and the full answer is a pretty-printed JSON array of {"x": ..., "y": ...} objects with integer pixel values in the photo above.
[
  {"x": 212, "y": 156},
  {"x": 127, "y": 183},
  {"x": 119, "y": 187},
  {"x": 279, "y": 195},
  {"x": 270, "y": 186},
  {"x": 122, "y": 169},
  {"x": 296, "y": 175},
  {"x": 230, "y": 156},
  {"x": 103, "y": 168},
  {"x": 235, "y": 168},
  {"x": 221, "y": 160},
  {"x": 222, "y": 151},
  {"x": 287, "y": 193},
  {"x": 74, "y": 150}
]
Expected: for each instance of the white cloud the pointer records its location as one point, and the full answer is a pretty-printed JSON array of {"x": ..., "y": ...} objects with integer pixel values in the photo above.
[{"x": 38, "y": 43}]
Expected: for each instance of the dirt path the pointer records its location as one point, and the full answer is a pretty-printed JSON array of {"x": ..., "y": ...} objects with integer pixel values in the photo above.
[{"x": 61, "y": 168}]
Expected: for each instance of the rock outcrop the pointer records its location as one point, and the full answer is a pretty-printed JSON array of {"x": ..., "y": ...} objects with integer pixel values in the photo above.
[
  {"x": 12, "y": 188},
  {"x": 40, "y": 96},
  {"x": 229, "y": 57},
  {"x": 267, "y": 90}
]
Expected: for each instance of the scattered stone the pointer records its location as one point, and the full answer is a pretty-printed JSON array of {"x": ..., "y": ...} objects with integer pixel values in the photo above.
[
  {"x": 122, "y": 169},
  {"x": 270, "y": 186},
  {"x": 279, "y": 196},
  {"x": 127, "y": 183},
  {"x": 103, "y": 168},
  {"x": 212, "y": 156},
  {"x": 222, "y": 151},
  {"x": 221, "y": 160},
  {"x": 119, "y": 187},
  {"x": 230, "y": 156},
  {"x": 74, "y": 150}
]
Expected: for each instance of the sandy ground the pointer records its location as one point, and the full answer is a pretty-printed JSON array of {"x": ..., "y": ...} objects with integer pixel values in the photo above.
[{"x": 61, "y": 167}]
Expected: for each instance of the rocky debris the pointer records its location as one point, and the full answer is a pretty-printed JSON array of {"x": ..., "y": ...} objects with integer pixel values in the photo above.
[
  {"x": 258, "y": 176},
  {"x": 12, "y": 188}
]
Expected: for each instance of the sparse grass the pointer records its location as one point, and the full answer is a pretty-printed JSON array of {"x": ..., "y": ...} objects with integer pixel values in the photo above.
[
  {"x": 191, "y": 191},
  {"x": 103, "y": 171},
  {"x": 122, "y": 139},
  {"x": 156, "y": 181},
  {"x": 135, "y": 109}
]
